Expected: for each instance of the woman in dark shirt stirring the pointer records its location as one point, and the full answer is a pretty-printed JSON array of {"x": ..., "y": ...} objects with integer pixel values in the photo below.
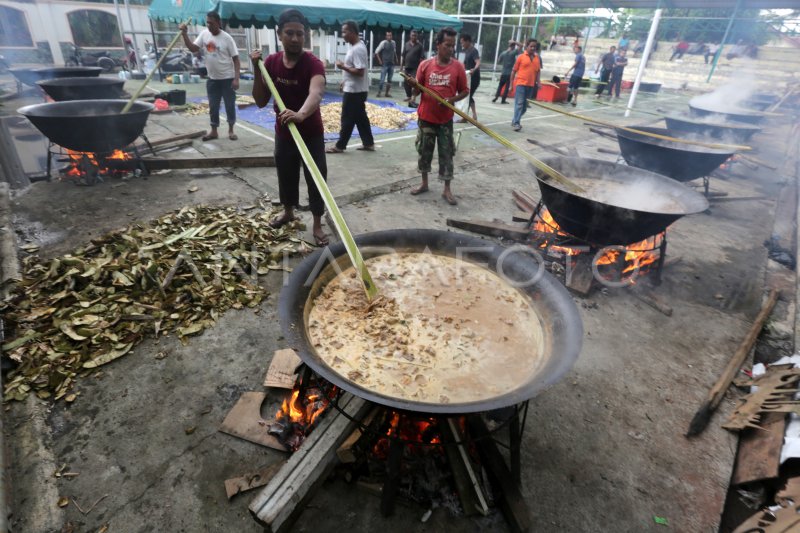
[{"x": 299, "y": 78}]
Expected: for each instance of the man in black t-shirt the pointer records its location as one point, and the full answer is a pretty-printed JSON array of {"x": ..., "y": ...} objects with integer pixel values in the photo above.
[
  {"x": 413, "y": 54},
  {"x": 607, "y": 64}
]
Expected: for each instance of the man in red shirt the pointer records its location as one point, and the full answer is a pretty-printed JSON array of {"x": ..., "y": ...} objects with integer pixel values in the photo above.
[
  {"x": 446, "y": 77},
  {"x": 299, "y": 78}
]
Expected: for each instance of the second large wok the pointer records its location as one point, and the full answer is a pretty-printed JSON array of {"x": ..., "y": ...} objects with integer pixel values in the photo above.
[
  {"x": 82, "y": 88},
  {"x": 679, "y": 161},
  {"x": 89, "y": 125},
  {"x": 620, "y": 205},
  {"x": 557, "y": 314}
]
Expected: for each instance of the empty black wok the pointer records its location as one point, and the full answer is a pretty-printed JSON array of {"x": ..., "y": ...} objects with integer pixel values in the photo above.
[
  {"x": 29, "y": 76},
  {"x": 679, "y": 161},
  {"x": 735, "y": 132},
  {"x": 741, "y": 114},
  {"x": 61, "y": 89},
  {"x": 621, "y": 204},
  {"x": 89, "y": 125},
  {"x": 557, "y": 313}
]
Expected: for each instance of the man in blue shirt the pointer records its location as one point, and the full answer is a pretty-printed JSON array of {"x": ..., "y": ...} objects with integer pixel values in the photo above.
[{"x": 578, "y": 69}]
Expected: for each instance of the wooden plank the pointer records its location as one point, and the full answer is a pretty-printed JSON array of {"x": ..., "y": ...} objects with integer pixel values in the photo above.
[
  {"x": 469, "y": 490},
  {"x": 244, "y": 421},
  {"x": 281, "y": 372},
  {"x": 653, "y": 300},
  {"x": 253, "y": 480},
  {"x": 580, "y": 277},
  {"x": 282, "y": 499},
  {"x": 511, "y": 500},
  {"x": 525, "y": 199},
  {"x": 522, "y": 216},
  {"x": 484, "y": 227},
  {"x": 759, "y": 453},
  {"x": 209, "y": 162},
  {"x": 345, "y": 451}
]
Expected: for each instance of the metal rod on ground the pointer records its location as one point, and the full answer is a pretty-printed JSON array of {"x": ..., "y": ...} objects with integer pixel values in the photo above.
[
  {"x": 551, "y": 172},
  {"x": 648, "y": 47},
  {"x": 330, "y": 203},
  {"x": 640, "y": 132},
  {"x": 717, "y": 392},
  {"x": 150, "y": 75}
]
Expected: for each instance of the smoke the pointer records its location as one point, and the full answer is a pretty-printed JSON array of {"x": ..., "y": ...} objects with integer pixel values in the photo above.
[{"x": 732, "y": 95}]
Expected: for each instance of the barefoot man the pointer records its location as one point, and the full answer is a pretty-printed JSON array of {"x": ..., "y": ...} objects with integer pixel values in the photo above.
[
  {"x": 446, "y": 77},
  {"x": 299, "y": 78}
]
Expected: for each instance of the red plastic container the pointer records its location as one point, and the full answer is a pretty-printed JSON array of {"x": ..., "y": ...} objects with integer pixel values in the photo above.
[{"x": 550, "y": 93}]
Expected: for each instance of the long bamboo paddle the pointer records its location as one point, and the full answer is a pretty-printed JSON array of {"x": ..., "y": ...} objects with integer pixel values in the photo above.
[
  {"x": 547, "y": 169},
  {"x": 645, "y": 133},
  {"x": 150, "y": 76},
  {"x": 338, "y": 220}
]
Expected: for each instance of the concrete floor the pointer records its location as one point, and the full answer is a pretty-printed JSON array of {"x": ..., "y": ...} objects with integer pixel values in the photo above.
[{"x": 603, "y": 449}]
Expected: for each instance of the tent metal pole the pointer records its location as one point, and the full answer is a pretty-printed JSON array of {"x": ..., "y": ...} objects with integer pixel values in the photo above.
[
  {"x": 499, "y": 40},
  {"x": 155, "y": 51},
  {"x": 121, "y": 32},
  {"x": 724, "y": 40},
  {"x": 648, "y": 47},
  {"x": 589, "y": 31},
  {"x": 536, "y": 26},
  {"x": 430, "y": 41},
  {"x": 480, "y": 23},
  {"x": 519, "y": 25}
]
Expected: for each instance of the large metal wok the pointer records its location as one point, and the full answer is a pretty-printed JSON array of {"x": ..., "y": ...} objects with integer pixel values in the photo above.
[
  {"x": 89, "y": 125},
  {"x": 741, "y": 114},
  {"x": 29, "y": 76},
  {"x": 733, "y": 132},
  {"x": 81, "y": 88},
  {"x": 635, "y": 204},
  {"x": 760, "y": 101},
  {"x": 559, "y": 318},
  {"x": 679, "y": 161}
]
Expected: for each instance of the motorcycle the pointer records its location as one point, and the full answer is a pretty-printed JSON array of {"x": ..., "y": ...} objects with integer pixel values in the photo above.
[
  {"x": 103, "y": 59},
  {"x": 176, "y": 61}
]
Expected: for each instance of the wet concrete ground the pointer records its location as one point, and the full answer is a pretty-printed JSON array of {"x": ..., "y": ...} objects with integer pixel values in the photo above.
[{"x": 603, "y": 449}]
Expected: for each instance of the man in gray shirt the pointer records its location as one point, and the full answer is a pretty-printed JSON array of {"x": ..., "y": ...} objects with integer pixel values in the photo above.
[
  {"x": 507, "y": 60},
  {"x": 386, "y": 54},
  {"x": 355, "y": 86}
]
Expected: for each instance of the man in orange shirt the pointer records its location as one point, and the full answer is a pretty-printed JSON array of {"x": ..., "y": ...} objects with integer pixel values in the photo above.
[{"x": 524, "y": 78}]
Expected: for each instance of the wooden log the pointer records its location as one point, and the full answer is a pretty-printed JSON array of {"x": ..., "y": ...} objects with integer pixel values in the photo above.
[
  {"x": 525, "y": 199},
  {"x": 650, "y": 298},
  {"x": 717, "y": 392},
  {"x": 279, "y": 503},
  {"x": 469, "y": 489},
  {"x": 152, "y": 164},
  {"x": 494, "y": 229},
  {"x": 345, "y": 452},
  {"x": 522, "y": 216},
  {"x": 549, "y": 147},
  {"x": 510, "y": 499},
  {"x": 580, "y": 277}
]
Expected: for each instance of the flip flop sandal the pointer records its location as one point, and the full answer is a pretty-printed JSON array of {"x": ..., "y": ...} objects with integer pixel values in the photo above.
[
  {"x": 333, "y": 150},
  {"x": 370, "y": 148},
  {"x": 280, "y": 221},
  {"x": 206, "y": 138},
  {"x": 233, "y": 137},
  {"x": 450, "y": 200},
  {"x": 418, "y": 190},
  {"x": 321, "y": 241}
]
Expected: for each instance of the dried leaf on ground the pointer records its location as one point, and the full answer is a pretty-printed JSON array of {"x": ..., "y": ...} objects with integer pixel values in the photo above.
[
  {"x": 72, "y": 314},
  {"x": 387, "y": 118}
]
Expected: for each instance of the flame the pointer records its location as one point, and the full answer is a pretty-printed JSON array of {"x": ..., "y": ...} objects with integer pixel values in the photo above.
[
  {"x": 79, "y": 161},
  {"x": 637, "y": 255},
  {"x": 303, "y": 411},
  {"x": 119, "y": 154}
]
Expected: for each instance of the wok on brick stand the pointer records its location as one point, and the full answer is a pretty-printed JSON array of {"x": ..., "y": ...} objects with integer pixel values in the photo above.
[{"x": 430, "y": 432}]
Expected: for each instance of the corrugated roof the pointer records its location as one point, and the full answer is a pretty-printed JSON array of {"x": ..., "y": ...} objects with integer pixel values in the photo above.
[{"x": 327, "y": 13}]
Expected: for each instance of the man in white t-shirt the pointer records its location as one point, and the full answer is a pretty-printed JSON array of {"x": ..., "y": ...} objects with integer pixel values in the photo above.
[
  {"x": 355, "y": 86},
  {"x": 222, "y": 62}
]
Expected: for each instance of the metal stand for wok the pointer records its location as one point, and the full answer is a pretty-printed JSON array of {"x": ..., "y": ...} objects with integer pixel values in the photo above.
[{"x": 58, "y": 151}]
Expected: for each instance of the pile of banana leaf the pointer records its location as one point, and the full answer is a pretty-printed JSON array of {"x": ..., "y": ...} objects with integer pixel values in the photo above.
[{"x": 177, "y": 274}]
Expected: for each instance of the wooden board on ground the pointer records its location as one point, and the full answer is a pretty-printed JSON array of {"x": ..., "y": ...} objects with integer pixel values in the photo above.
[
  {"x": 281, "y": 371},
  {"x": 278, "y": 504},
  {"x": 759, "y": 453},
  {"x": 494, "y": 229},
  {"x": 253, "y": 480},
  {"x": 245, "y": 421},
  {"x": 581, "y": 276}
]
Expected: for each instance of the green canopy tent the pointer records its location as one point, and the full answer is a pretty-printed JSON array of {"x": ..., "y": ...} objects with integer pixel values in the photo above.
[{"x": 320, "y": 13}]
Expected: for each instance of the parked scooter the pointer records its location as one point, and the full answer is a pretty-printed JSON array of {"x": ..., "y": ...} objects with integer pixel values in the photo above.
[
  {"x": 176, "y": 61},
  {"x": 103, "y": 59}
]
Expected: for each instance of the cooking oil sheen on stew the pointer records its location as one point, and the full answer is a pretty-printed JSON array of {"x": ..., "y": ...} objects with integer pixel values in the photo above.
[{"x": 442, "y": 331}]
